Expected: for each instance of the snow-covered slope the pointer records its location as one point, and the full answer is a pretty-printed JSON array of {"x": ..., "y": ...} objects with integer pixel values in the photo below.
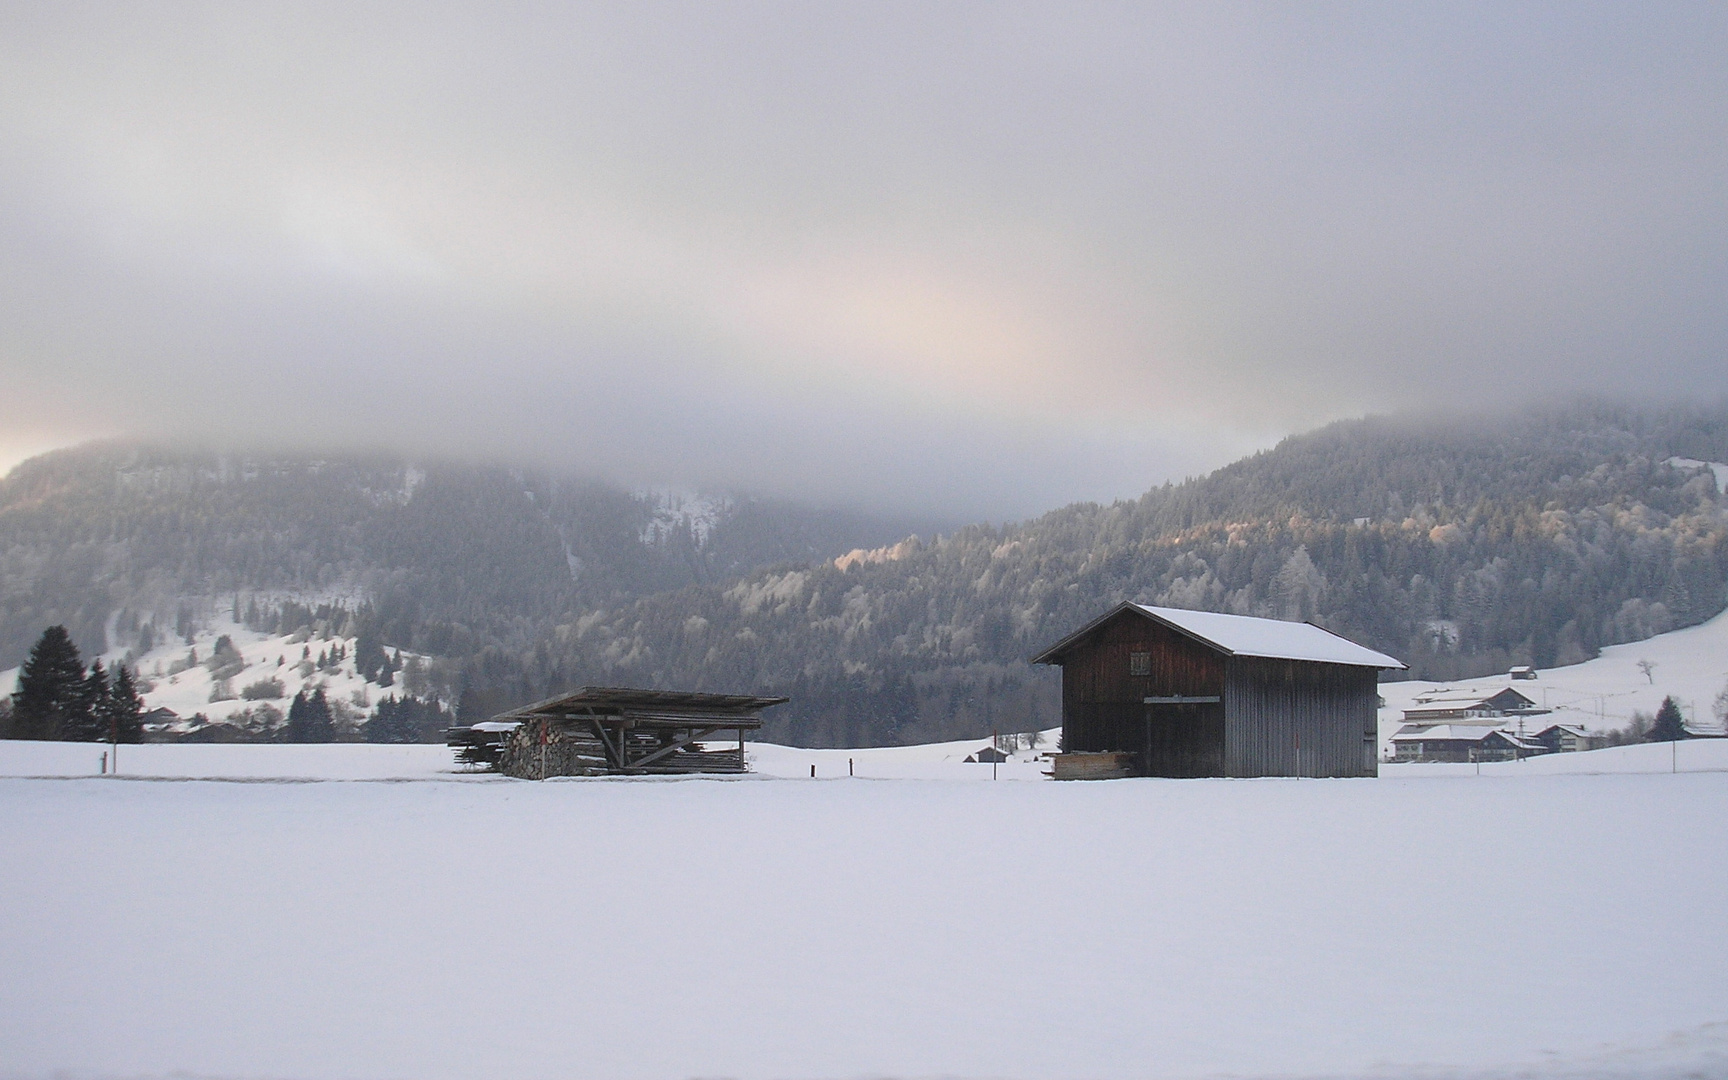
[
  {"x": 282, "y": 657},
  {"x": 1691, "y": 665}
]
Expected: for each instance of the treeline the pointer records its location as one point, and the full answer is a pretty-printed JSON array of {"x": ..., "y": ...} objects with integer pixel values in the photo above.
[{"x": 58, "y": 699}]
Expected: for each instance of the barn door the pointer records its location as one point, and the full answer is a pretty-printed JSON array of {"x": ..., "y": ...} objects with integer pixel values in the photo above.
[{"x": 1185, "y": 740}]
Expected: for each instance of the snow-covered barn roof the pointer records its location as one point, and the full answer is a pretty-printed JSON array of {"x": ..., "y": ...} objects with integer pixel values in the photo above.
[
  {"x": 1461, "y": 733},
  {"x": 1446, "y": 698},
  {"x": 1243, "y": 635}
]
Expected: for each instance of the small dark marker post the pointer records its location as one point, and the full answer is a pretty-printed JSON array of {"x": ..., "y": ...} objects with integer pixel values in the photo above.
[
  {"x": 812, "y": 772},
  {"x": 848, "y": 766}
]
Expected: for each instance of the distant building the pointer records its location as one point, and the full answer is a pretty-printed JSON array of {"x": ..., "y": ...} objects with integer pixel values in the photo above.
[
  {"x": 1524, "y": 672},
  {"x": 1461, "y": 742},
  {"x": 1450, "y": 706},
  {"x": 987, "y": 755},
  {"x": 1562, "y": 738},
  {"x": 1169, "y": 692}
]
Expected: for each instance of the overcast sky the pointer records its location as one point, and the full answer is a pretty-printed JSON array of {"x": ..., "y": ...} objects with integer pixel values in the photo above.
[{"x": 984, "y": 259}]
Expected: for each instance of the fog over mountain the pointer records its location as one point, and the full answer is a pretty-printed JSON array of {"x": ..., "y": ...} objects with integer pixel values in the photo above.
[{"x": 971, "y": 259}]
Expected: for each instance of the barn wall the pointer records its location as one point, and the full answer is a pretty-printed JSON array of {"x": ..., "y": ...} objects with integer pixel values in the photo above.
[
  {"x": 1103, "y": 706},
  {"x": 1300, "y": 718}
]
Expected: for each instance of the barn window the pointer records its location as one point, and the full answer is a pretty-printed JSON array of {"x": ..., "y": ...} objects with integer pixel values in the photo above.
[{"x": 1140, "y": 663}]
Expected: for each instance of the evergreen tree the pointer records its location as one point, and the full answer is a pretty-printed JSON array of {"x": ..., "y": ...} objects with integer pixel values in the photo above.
[
  {"x": 322, "y": 724},
  {"x": 87, "y": 723},
  {"x": 309, "y": 719},
  {"x": 50, "y": 687},
  {"x": 1669, "y": 727},
  {"x": 368, "y": 652},
  {"x": 296, "y": 730},
  {"x": 124, "y": 719},
  {"x": 394, "y": 722}
]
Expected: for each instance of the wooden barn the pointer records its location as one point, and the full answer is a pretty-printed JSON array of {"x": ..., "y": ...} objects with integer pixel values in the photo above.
[
  {"x": 1193, "y": 693},
  {"x": 605, "y": 730}
]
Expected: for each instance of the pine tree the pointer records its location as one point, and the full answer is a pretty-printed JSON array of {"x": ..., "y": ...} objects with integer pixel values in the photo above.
[
  {"x": 124, "y": 721},
  {"x": 392, "y": 723},
  {"x": 368, "y": 652},
  {"x": 1669, "y": 726},
  {"x": 309, "y": 719},
  {"x": 50, "y": 687},
  {"x": 320, "y": 723},
  {"x": 87, "y": 723}
]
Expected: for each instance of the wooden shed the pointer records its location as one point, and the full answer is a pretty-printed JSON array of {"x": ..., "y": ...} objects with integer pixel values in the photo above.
[
  {"x": 601, "y": 730},
  {"x": 1194, "y": 693}
]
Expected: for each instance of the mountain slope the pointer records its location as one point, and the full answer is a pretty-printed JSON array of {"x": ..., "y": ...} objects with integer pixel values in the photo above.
[
  {"x": 1461, "y": 549},
  {"x": 459, "y": 554}
]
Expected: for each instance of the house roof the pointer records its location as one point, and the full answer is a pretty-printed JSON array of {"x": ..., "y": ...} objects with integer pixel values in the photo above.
[
  {"x": 1443, "y": 733},
  {"x": 1242, "y": 635},
  {"x": 1449, "y": 698}
]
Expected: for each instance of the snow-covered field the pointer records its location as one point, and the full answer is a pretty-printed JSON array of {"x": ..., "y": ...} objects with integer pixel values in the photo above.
[{"x": 447, "y": 925}]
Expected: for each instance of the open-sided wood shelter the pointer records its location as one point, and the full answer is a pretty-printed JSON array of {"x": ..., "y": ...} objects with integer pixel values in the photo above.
[
  {"x": 600, "y": 730},
  {"x": 1194, "y": 693}
]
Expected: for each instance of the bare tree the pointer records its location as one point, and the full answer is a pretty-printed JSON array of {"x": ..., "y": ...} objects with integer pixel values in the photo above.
[{"x": 1647, "y": 667}]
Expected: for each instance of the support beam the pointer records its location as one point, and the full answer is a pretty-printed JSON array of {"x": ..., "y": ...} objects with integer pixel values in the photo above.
[{"x": 683, "y": 741}]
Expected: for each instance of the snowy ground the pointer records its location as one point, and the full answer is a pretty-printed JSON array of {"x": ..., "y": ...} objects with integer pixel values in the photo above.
[{"x": 445, "y": 925}]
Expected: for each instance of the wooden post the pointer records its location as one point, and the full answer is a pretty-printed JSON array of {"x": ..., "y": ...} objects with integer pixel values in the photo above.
[
  {"x": 812, "y": 772},
  {"x": 848, "y": 766}
]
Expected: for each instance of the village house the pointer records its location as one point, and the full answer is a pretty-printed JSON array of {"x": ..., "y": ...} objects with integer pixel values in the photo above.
[{"x": 1462, "y": 742}]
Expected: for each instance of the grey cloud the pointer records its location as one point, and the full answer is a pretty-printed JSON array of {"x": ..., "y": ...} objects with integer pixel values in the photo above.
[{"x": 980, "y": 257}]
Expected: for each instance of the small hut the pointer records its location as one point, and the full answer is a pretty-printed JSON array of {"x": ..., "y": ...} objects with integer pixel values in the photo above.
[
  {"x": 606, "y": 730},
  {"x": 1166, "y": 692}
]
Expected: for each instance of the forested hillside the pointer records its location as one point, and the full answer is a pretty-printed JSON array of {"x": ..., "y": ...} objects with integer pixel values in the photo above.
[
  {"x": 114, "y": 538},
  {"x": 1461, "y": 547}
]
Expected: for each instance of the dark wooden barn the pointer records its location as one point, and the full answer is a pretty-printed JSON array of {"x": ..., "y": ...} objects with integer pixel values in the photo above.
[
  {"x": 602, "y": 730},
  {"x": 1193, "y": 693}
]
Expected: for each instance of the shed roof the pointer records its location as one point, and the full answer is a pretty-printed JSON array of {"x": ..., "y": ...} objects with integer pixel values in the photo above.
[
  {"x": 617, "y": 700},
  {"x": 1242, "y": 635}
]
